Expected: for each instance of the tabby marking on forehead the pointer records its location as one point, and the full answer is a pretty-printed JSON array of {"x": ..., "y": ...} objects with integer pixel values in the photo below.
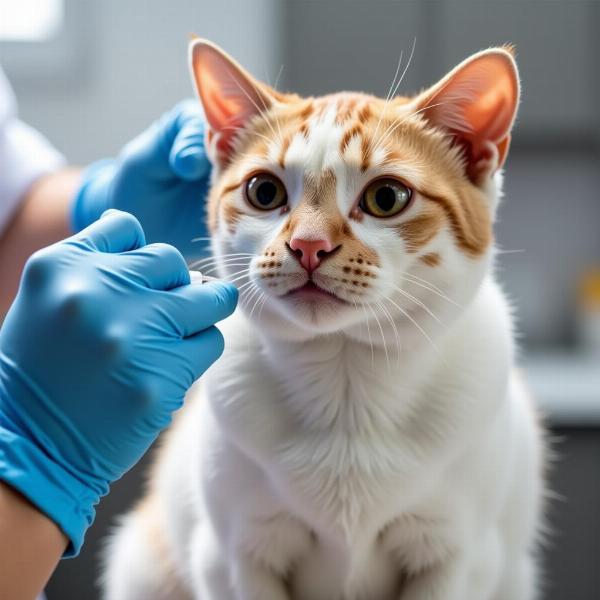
[
  {"x": 317, "y": 135},
  {"x": 356, "y": 129}
]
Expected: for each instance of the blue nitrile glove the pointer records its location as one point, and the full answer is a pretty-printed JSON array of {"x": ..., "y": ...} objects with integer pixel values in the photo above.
[
  {"x": 161, "y": 177},
  {"x": 97, "y": 351}
]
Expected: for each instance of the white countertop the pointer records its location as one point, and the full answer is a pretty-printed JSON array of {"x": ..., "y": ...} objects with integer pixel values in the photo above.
[{"x": 566, "y": 387}]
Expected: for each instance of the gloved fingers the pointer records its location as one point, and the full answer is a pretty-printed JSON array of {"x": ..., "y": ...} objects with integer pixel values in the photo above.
[
  {"x": 157, "y": 266},
  {"x": 152, "y": 148},
  {"x": 115, "y": 231},
  {"x": 193, "y": 308},
  {"x": 187, "y": 156},
  {"x": 203, "y": 349}
]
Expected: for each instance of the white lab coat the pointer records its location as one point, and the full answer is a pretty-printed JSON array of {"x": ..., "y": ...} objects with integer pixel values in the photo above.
[{"x": 24, "y": 155}]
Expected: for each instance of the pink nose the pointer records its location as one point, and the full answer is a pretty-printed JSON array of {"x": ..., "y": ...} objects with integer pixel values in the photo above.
[{"x": 310, "y": 252}]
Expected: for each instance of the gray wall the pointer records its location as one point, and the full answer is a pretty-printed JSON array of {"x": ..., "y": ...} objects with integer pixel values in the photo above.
[{"x": 127, "y": 63}]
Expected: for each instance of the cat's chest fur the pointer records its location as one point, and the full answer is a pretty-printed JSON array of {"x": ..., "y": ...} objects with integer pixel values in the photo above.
[{"x": 327, "y": 423}]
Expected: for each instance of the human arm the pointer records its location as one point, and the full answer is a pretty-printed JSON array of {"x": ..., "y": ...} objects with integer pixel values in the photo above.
[
  {"x": 31, "y": 545},
  {"x": 42, "y": 218}
]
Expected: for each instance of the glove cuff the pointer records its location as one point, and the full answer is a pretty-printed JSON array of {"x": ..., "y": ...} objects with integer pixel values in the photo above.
[{"x": 92, "y": 198}]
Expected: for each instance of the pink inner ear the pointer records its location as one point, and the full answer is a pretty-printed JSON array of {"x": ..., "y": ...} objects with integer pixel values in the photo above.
[
  {"x": 491, "y": 113},
  {"x": 229, "y": 95},
  {"x": 478, "y": 102}
]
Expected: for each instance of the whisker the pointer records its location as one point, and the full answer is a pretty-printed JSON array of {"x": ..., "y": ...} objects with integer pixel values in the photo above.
[
  {"x": 398, "y": 123},
  {"x": 220, "y": 259},
  {"x": 393, "y": 324},
  {"x": 253, "y": 290},
  {"x": 254, "y": 293},
  {"x": 429, "y": 283},
  {"x": 262, "y": 294},
  {"x": 209, "y": 259},
  {"x": 412, "y": 53},
  {"x": 265, "y": 106},
  {"x": 387, "y": 357},
  {"x": 227, "y": 277},
  {"x": 417, "y": 302},
  {"x": 238, "y": 277},
  {"x": 278, "y": 77},
  {"x": 414, "y": 322},
  {"x": 250, "y": 133},
  {"x": 392, "y": 92},
  {"x": 254, "y": 297},
  {"x": 241, "y": 288},
  {"x": 227, "y": 255},
  {"x": 498, "y": 251},
  {"x": 387, "y": 99},
  {"x": 219, "y": 262},
  {"x": 433, "y": 290},
  {"x": 260, "y": 112},
  {"x": 369, "y": 334},
  {"x": 263, "y": 302},
  {"x": 234, "y": 264}
]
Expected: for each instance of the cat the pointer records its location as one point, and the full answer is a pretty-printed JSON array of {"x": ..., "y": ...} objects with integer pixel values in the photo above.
[{"x": 365, "y": 435}]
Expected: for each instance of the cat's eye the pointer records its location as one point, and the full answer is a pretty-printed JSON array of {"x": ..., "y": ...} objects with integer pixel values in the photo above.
[
  {"x": 385, "y": 197},
  {"x": 265, "y": 191}
]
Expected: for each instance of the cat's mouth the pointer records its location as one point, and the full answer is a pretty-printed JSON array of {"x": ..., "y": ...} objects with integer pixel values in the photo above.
[{"x": 311, "y": 292}]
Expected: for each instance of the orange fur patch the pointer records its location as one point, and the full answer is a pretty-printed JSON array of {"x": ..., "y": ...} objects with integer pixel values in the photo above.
[
  {"x": 354, "y": 130},
  {"x": 433, "y": 259},
  {"x": 469, "y": 219},
  {"x": 420, "y": 230},
  {"x": 285, "y": 144}
]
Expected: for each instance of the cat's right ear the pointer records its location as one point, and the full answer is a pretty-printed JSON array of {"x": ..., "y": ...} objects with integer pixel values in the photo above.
[{"x": 229, "y": 95}]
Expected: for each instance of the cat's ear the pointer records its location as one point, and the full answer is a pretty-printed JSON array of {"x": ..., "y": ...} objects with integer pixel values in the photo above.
[
  {"x": 477, "y": 102},
  {"x": 229, "y": 95}
]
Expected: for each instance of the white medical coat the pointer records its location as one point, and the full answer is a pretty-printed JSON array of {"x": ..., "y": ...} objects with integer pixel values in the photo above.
[{"x": 25, "y": 155}]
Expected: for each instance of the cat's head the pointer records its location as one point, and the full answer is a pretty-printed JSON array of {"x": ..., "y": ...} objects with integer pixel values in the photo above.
[{"x": 351, "y": 212}]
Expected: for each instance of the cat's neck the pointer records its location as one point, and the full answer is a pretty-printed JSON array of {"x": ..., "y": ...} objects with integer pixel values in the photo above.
[{"x": 338, "y": 381}]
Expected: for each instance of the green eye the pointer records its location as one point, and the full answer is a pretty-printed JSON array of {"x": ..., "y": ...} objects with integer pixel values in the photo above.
[
  {"x": 265, "y": 192},
  {"x": 385, "y": 198}
]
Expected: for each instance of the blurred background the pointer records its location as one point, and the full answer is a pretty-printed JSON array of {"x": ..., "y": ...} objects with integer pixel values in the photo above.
[{"x": 90, "y": 75}]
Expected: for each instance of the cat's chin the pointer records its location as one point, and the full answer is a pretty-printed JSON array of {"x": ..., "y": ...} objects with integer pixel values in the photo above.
[
  {"x": 313, "y": 296},
  {"x": 307, "y": 313}
]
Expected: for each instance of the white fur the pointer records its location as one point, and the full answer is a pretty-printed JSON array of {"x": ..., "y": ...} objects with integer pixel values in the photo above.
[{"x": 365, "y": 463}]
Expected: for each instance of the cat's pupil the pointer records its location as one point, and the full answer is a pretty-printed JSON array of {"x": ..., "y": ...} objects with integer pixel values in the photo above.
[
  {"x": 385, "y": 198},
  {"x": 266, "y": 192}
]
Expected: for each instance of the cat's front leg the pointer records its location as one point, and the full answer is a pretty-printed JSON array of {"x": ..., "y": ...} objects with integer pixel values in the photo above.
[
  {"x": 446, "y": 581},
  {"x": 209, "y": 571},
  {"x": 252, "y": 581},
  {"x": 218, "y": 577},
  {"x": 267, "y": 548},
  {"x": 466, "y": 574}
]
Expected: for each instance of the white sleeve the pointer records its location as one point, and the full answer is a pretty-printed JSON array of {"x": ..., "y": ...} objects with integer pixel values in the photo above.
[{"x": 25, "y": 155}]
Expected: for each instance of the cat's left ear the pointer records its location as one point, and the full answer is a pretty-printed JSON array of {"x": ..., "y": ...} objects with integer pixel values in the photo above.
[
  {"x": 229, "y": 95},
  {"x": 477, "y": 102}
]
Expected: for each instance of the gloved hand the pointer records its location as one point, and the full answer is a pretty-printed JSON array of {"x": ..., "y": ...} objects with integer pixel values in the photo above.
[
  {"x": 161, "y": 177},
  {"x": 97, "y": 351}
]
